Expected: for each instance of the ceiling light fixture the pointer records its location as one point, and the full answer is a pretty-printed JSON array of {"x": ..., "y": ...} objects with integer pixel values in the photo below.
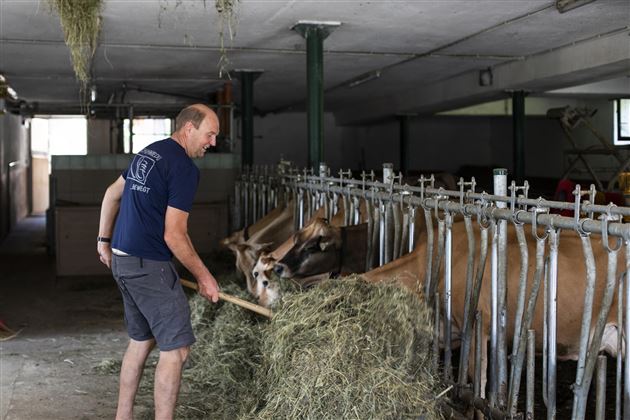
[
  {"x": 566, "y": 5},
  {"x": 364, "y": 78}
]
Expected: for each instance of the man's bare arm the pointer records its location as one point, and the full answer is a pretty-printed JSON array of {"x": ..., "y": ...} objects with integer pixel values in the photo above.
[
  {"x": 178, "y": 241},
  {"x": 109, "y": 211}
]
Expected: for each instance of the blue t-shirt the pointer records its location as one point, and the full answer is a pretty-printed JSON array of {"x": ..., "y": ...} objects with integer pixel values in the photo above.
[{"x": 160, "y": 175}]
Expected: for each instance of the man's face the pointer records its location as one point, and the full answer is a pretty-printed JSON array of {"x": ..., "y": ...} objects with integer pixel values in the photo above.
[{"x": 204, "y": 137}]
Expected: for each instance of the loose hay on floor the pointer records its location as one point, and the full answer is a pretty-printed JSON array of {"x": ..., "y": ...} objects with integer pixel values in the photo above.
[
  {"x": 345, "y": 349},
  {"x": 223, "y": 361}
]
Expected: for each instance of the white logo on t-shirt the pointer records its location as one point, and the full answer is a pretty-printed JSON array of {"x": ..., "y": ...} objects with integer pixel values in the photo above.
[{"x": 140, "y": 168}]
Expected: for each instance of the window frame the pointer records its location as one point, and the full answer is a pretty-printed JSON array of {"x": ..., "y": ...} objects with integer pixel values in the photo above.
[{"x": 618, "y": 139}]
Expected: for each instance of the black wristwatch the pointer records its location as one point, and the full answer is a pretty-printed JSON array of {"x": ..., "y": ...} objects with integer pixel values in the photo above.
[{"x": 103, "y": 239}]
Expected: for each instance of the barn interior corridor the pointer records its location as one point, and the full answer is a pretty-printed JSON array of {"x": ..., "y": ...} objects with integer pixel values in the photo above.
[{"x": 67, "y": 327}]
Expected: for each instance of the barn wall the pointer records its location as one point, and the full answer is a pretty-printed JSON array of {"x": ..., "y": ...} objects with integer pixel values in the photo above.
[
  {"x": 285, "y": 135},
  {"x": 470, "y": 138},
  {"x": 14, "y": 171}
]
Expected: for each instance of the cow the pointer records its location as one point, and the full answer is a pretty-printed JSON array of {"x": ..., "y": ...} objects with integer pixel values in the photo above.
[
  {"x": 266, "y": 290},
  {"x": 409, "y": 271},
  {"x": 244, "y": 234},
  {"x": 308, "y": 265},
  {"x": 322, "y": 247},
  {"x": 270, "y": 231}
]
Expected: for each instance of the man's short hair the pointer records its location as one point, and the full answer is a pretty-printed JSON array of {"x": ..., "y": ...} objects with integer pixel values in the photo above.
[{"x": 190, "y": 113}]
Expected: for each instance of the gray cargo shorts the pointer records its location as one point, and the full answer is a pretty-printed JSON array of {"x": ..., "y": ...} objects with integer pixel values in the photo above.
[{"x": 154, "y": 301}]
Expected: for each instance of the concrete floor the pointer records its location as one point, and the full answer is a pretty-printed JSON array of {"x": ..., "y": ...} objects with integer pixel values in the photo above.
[{"x": 68, "y": 327}]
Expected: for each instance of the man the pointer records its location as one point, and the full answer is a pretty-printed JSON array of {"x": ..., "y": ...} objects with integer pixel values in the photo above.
[{"x": 149, "y": 205}]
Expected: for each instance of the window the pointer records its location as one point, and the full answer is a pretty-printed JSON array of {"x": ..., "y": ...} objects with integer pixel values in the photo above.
[
  {"x": 59, "y": 135},
  {"x": 621, "y": 129},
  {"x": 145, "y": 131}
]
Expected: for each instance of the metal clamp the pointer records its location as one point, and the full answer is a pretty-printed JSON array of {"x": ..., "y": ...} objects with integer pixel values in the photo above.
[
  {"x": 605, "y": 217},
  {"x": 535, "y": 211},
  {"x": 514, "y": 189},
  {"x": 437, "y": 199},
  {"x": 463, "y": 195}
]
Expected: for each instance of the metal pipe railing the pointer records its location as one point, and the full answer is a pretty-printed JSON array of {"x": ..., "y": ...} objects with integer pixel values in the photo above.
[{"x": 390, "y": 209}]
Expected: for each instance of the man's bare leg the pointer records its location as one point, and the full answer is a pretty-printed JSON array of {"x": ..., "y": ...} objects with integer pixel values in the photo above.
[
  {"x": 168, "y": 376},
  {"x": 130, "y": 375}
]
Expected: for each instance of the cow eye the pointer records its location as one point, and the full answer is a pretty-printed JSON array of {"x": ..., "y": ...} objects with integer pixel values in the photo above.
[{"x": 255, "y": 274}]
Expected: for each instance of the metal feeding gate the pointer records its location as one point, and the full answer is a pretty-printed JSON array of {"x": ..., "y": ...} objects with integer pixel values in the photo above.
[{"x": 390, "y": 208}]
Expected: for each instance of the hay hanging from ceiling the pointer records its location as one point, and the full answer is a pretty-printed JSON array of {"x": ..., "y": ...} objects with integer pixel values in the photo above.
[
  {"x": 81, "y": 24},
  {"x": 227, "y": 10}
]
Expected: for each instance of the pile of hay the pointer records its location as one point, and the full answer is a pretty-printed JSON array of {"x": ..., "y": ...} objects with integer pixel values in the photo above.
[
  {"x": 345, "y": 349},
  {"x": 349, "y": 349},
  {"x": 223, "y": 362}
]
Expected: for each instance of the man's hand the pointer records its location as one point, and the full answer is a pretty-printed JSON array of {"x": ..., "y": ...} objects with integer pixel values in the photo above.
[
  {"x": 209, "y": 288},
  {"x": 105, "y": 253}
]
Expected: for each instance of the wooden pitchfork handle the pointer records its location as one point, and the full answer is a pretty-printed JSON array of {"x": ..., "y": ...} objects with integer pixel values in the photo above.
[{"x": 233, "y": 299}]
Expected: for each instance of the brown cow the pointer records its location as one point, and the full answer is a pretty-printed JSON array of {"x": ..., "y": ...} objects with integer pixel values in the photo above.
[
  {"x": 261, "y": 271},
  {"x": 321, "y": 247},
  {"x": 410, "y": 269},
  {"x": 270, "y": 231}
]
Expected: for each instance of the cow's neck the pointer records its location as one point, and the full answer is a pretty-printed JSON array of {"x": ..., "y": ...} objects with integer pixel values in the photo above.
[{"x": 353, "y": 249}]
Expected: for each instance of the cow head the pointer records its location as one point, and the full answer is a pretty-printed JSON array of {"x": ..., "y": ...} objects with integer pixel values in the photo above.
[
  {"x": 246, "y": 256},
  {"x": 267, "y": 290},
  {"x": 316, "y": 250}
]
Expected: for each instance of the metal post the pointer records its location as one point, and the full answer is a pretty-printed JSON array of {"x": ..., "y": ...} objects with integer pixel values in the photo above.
[
  {"x": 494, "y": 319},
  {"x": 388, "y": 173},
  {"x": 600, "y": 394},
  {"x": 587, "y": 319},
  {"x": 448, "y": 249},
  {"x": 478, "y": 344},
  {"x": 518, "y": 125},
  {"x": 412, "y": 228},
  {"x": 381, "y": 236},
  {"x": 301, "y": 209},
  {"x": 247, "y": 78},
  {"x": 552, "y": 323},
  {"x": 315, "y": 33},
  {"x": 465, "y": 336},
  {"x": 436, "y": 333},
  {"x": 500, "y": 188},
  {"x": 531, "y": 360},
  {"x": 388, "y": 241}
]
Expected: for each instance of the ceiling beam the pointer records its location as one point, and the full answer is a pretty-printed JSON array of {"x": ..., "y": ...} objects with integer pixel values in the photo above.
[{"x": 595, "y": 59}]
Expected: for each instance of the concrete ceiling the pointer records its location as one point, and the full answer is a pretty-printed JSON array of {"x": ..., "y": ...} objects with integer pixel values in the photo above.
[{"x": 429, "y": 53}]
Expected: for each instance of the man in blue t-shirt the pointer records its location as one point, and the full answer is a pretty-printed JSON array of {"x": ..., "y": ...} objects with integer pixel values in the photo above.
[{"x": 149, "y": 205}]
